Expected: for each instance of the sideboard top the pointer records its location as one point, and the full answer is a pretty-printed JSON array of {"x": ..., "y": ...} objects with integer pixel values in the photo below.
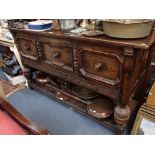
[{"x": 143, "y": 43}]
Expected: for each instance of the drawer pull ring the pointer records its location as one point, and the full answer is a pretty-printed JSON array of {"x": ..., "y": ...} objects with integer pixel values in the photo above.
[
  {"x": 55, "y": 55},
  {"x": 98, "y": 66}
]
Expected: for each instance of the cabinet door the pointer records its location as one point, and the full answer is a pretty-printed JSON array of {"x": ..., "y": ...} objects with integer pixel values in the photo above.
[
  {"x": 100, "y": 66},
  {"x": 27, "y": 48},
  {"x": 58, "y": 56}
]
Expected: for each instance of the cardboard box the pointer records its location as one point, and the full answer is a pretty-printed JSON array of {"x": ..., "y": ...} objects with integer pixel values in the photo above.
[{"x": 15, "y": 80}]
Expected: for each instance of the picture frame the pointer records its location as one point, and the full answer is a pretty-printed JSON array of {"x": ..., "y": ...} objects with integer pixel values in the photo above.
[{"x": 144, "y": 124}]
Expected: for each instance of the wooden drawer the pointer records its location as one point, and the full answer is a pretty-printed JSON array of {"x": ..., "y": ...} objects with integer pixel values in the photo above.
[
  {"x": 27, "y": 48},
  {"x": 100, "y": 66},
  {"x": 58, "y": 56},
  {"x": 57, "y": 41}
]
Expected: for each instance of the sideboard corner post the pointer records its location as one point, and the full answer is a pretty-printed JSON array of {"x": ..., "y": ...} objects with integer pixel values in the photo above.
[
  {"x": 122, "y": 110},
  {"x": 75, "y": 58}
]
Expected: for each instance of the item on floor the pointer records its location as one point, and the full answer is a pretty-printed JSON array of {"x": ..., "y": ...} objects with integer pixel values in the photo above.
[
  {"x": 61, "y": 96},
  {"x": 15, "y": 79},
  {"x": 8, "y": 54},
  {"x": 2, "y": 63},
  {"x": 100, "y": 108},
  {"x": 8, "y": 88},
  {"x": 12, "y": 61},
  {"x": 55, "y": 81},
  {"x": 42, "y": 78},
  {"x": 14, "y": 123},
  {"x": 92, "y": 33},
  {"x": 127, "y": 28},
  {"x": 12, "y": 70},
  {"x": 27, "y": 73},
  {"x": 65, "y": 84},
  {"x": 3, "y": 50},
  {"x": 145, "y": 120},
  {"x": 40, "y": 25},
  {"x": 84, "y": 93}
]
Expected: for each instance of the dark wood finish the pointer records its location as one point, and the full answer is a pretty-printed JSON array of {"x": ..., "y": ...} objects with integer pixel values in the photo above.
[
  {"x": 116, "y": 68},
  {"x": 57, "y": 56},
  {"x": 100, "y": 65},
  {"x": 25, "y": 123},
  {"x": 153, "y": 67},
  {"x": 28, "y": 48}
]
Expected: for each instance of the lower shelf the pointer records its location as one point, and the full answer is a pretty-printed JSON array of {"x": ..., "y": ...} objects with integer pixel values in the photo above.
[{"x": 75, "y": 103}]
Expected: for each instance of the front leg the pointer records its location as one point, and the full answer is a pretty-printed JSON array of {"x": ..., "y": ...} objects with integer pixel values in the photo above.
[
  {"x": 121, "y": 114},
  {"x": 122, "y": 110}
]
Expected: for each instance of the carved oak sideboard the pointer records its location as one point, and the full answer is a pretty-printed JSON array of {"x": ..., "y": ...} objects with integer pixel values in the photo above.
[{"x": 116, "y": 68}]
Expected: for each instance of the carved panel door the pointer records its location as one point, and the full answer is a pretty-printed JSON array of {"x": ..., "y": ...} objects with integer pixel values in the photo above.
[
  {"x": 58, "y": 56},
  {"x": 100, "y": 66},
  {"x": 27, "y": 48}
]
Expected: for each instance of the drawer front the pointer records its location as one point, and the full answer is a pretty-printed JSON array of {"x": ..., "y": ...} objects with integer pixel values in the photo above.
[
  {"x": 58, "y": 56},
  {"x": 100, "y": 66},
  {"x": 27, "y": 48}
]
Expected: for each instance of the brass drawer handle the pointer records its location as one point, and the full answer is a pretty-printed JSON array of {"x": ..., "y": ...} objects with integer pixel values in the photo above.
[
  {"x": 98, "y": 66},
  {"x": 27, "y": 48},
  {"x": 56, "y": 55}
]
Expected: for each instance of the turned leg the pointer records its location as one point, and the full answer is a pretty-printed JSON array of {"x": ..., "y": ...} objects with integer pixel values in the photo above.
[
  {"x": 121, "y": 114},
  {"x": 119, "y": 131},
  {"x": 122, "y": 110}
]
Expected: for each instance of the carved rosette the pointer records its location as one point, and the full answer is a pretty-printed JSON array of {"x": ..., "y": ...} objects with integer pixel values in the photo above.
[{"x": 121, "y": 114}]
